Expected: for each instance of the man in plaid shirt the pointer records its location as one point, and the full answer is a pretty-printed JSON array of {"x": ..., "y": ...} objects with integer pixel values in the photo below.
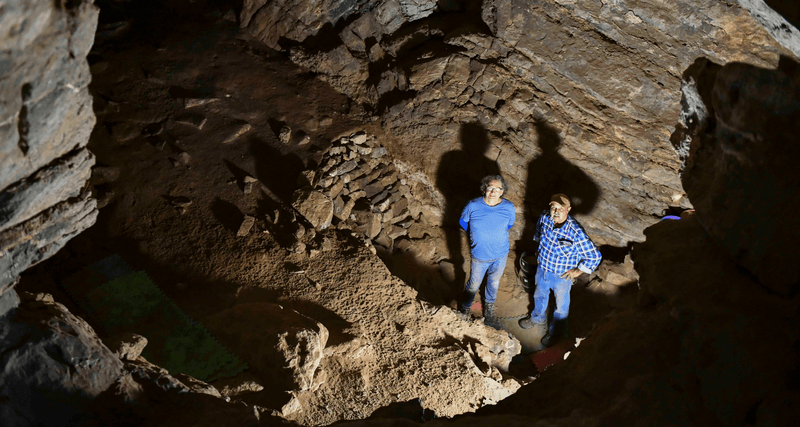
[{"x": 565, "y": 252}]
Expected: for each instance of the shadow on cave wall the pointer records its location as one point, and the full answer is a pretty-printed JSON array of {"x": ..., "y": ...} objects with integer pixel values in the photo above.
[
  {"x": 458, "y": 179},
  {"x": 551, "y": 173},
  {"x": 738, "y": 141}
]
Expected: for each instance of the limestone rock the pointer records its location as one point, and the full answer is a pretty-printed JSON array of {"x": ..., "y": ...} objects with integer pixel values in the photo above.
[
  {"x": 314, "y": 206},
  {"x": 246, "y": 225},
  {"x": 243, "y": 383},
  {"x": 235, "y": 131},
  {"x": 50, "y": 185},
  {"x": 285, "y": 134},
  {"x": 248, "y": 184},
  {"x": 555, "y": 116},
  {"x": 40, "y": 237},
  {"x": 276, "y": 342},
  {"x": 198, "y": 102},
  {"x": 128, "y": 346},
  {"x": 53, "y": 364}
]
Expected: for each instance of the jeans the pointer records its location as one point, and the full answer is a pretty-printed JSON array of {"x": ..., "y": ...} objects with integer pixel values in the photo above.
[
  {"x": 477, "y": 269},
  {"x": 545, "y": 282}
]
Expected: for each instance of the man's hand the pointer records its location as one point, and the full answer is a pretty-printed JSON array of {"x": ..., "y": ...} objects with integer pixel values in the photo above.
[{"x": 572, "y": 273}]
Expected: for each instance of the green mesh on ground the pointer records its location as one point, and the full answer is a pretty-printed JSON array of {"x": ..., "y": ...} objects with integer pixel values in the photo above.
[{"x": 133, "y": 303}]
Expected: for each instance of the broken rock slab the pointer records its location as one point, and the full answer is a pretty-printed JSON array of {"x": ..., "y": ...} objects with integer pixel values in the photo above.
[
  {"x": 53, "y": 364},
  {"x": 315, "y": 207},
  {"x": 128, "y": 346},
  {"x": 249, "y": 182},
  {"x": 243, "y": 383},
  {"x": 197, "y": 102},
  {"x": 235, "y": 131},
  {"x": 38, "y": 238},
  {"x": 276, "y": 342},
  {"x": 50, "y": 185},
  {"x": 247, "y": 224}
]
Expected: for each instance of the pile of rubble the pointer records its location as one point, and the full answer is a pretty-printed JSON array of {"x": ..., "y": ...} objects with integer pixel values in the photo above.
[{"x": 358, "y": 187}]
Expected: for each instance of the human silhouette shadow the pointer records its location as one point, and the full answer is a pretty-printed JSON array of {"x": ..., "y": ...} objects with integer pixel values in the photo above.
[
  {"x": 459, "y": 179},
  {"x": 548, "y": 174},
  {"x": 276, "y": 170}
]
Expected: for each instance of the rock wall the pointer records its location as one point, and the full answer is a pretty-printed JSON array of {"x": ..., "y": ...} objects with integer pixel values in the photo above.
[
  {"x": 45, "y": 121},
  {"x": 559, "y": 95}
]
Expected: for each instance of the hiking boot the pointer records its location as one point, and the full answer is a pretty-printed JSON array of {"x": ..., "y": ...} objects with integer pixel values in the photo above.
[
  {"x": 463, "y": 313},
  {"x": 548, "y": 340},
  {"x": 556, "y": 332},
  {"x": 489, "y": 318}
]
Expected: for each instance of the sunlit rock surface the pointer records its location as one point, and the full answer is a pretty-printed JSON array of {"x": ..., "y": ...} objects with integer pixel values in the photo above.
[{"x": 573, "y": 96}]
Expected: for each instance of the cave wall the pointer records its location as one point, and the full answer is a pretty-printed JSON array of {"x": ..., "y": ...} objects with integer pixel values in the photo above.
[
  {"x": 45, "y": 121},
  {"x": 573, "y": 96},
  {"x": 740, "y": 171}
]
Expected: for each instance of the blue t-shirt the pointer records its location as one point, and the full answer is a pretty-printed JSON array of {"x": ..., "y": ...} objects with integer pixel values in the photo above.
[{"x": 488, "y": 228}]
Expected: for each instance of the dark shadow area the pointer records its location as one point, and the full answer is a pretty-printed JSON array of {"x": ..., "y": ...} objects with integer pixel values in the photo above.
[
  {"x": 149, "y": 21},
  {"x": 394, "y": 97},
  {"x": 738, "y": 140},
  {"x": 336, "y": 326},
  {"x": 266, "y": 207},
  {"x": 551, "y": 173},
  {"x": 227, "y": 214},
  {"x": 239, "y": 174},
  {"x": 409, "y": 410},
  {"x": 275, "y": 125},
  {"x": 458, "y": 179},
  {"x": 426, "y": 279},
  {"x": 276, "y": 170},
  {"x": 615, "y": 253},
  {"x": 449, "y": 341},
  {"x": 789, "y": 9}
]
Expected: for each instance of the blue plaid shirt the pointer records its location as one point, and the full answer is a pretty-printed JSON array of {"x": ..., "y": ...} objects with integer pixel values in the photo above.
[{"x": 561, "y": 249}]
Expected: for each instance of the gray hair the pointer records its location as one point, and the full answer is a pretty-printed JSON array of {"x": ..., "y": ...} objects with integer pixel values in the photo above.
[{"x": 489, "y": 178}]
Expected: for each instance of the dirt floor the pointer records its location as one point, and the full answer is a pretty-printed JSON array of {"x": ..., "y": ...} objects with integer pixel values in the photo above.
[{"x": 179, "y": 199}]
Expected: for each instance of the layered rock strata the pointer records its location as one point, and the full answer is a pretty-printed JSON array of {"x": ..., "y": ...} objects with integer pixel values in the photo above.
[
  {"x": 45, "y": 121},
  {"x": 572, "y": 96}
]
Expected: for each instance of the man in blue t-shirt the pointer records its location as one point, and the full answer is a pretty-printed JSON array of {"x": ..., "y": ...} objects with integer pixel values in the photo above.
[
  {"x": 565, "y": 252},
  {"x": 487, "y": 220}
]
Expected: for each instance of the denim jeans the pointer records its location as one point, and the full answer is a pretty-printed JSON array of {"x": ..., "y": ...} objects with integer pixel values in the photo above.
[
  {"x": 477, "y": 269},
  {"x": 545, "y": 282}
]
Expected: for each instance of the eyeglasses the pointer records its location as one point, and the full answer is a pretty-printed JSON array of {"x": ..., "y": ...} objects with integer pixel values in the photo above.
[{"x": 490, "y": 189}]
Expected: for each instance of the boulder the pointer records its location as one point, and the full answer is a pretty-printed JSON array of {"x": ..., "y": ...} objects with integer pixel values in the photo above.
[
  {"x": 314, "y": 206},
  {"x": 53, "y": 364}
]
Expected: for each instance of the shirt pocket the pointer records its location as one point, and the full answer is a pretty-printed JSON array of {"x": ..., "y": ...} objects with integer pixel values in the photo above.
[{"x": 564, "y": 246}]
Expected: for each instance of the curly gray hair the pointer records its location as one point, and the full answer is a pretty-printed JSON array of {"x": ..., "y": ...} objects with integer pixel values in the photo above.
[{"x": 489, "y": 178}]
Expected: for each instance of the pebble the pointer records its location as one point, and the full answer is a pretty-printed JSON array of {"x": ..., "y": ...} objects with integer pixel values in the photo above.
[
  {"x": 247, "y": 224},
  {"x": 197, "y": 102},
  {"x": 249, "y": 182},
  {"x": 285, "y": 134}
]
